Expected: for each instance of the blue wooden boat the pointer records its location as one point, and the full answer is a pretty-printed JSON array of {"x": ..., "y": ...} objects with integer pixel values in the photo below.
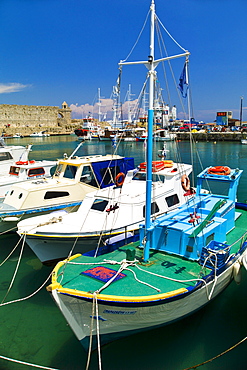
[{"x": 182, "y": 261}]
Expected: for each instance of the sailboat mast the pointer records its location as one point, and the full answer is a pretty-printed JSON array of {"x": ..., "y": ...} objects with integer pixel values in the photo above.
[{"x": 150, "y": 135}]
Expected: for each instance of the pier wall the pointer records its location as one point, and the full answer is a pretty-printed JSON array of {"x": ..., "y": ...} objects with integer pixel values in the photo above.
[{"x": 213, "y": 136}]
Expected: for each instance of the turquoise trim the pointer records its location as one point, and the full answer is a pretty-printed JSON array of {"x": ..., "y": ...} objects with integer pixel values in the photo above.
[{"x": 38, "y": 210}]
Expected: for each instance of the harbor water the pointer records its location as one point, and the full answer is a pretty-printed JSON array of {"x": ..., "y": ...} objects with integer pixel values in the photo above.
[{"x": 34, "y": 331}]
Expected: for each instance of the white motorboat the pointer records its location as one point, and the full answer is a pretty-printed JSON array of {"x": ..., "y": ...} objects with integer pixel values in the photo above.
[
  {"x": 10, "y": 154},
  {"x": 74, "y": 177},
  {"x": 39, "y": 134},
  {"x": 22, "y": 171},
  {"x": 107, "y": 213}
]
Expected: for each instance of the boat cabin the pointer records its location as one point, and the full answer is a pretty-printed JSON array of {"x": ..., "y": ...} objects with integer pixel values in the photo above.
[
  {"x": 72, "y": 180},
  {"x": 207, "y": 218}
]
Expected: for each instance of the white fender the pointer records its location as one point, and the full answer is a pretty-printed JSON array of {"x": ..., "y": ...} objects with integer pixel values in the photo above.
[
  {"x": 244, "y": 261},
  {"x": 237, "y": 272}
]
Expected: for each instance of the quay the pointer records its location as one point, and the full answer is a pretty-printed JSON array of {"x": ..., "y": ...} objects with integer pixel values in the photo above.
[{"x": 213, "y": 136}]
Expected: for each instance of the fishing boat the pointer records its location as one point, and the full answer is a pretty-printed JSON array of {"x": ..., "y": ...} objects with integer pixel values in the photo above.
[
  {"x": 244, "y": 141},
  {"x": 164, "y": 135},
  {"x": 73, "y": 178},
  {"x": 108, "y": 215},
  {"x": 21, "y": 171},
  {"x": 183, "y": 259},
  {"x": 39, "y": 134}
]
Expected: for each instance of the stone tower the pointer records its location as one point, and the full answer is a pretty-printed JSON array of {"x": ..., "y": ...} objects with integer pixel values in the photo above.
[{"x": 64, "y": 114}]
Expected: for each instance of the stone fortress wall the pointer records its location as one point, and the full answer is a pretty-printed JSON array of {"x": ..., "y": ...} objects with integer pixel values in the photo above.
[{"x": 27, "y": 119}]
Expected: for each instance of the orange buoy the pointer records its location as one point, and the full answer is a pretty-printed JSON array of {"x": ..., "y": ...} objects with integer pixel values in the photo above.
[
  {"x": 119, "y": 180},
  {"x": 219, "y": 170}
]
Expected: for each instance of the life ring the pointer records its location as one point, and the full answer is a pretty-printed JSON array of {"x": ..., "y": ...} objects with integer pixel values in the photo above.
[
  {"x": 219, "y": 170},
  {"x": 24, "y": 162},
  {"x": 119, "y": 180},
  {"x": 185, "y": 181}
]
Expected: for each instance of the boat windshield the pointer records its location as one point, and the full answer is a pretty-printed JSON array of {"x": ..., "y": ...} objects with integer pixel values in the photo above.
[
  {"x": 88, "y": 177},
  {"x": 5, "y": 156},
  {"x": 70, "y": 171},
  {"x": 141, "y": 176}
]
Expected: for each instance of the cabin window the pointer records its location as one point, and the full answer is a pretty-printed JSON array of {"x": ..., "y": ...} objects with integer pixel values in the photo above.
[
  {"x": 141, "y": 176},
  {"x": 20, "y": 195},
  {"x": 70, "y": 171},
  {"x": 36, "y": 172},
  {"x": 158, "y": 177},
  {"x": 56, "y": 194},
  {"x": 154, "y": 209},
  {"x": 99, "y": 205},
  {"x": 172, "y": 200},
  {"x": 5, "y": 155},
  {"x": 14, "y": 170},
  {"x": 109, "y": 174},
  {"x": 87, "y": 176}
]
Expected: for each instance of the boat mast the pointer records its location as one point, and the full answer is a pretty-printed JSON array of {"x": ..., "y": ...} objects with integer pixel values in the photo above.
[
  {"x": 151, "y": 65},
  {"x": 150, "y": 135},
  {"x": 241, "y": 111}
]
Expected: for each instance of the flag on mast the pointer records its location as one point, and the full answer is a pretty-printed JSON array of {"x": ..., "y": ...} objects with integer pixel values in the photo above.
[{"x": 183, "y": 81}]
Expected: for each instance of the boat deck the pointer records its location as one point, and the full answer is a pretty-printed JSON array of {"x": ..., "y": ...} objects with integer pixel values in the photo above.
[
  {"x": 88, "y": 274},
  {"x": 94, "y": 276}
]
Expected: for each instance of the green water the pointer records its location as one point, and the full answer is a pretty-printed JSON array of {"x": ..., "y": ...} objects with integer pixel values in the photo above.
[{"x": 34, "y": 330}]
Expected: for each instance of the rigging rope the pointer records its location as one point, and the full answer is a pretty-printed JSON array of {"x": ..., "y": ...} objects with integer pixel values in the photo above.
[
  {"x": 168, "y": 33},
  {"x": 137, "y": 37}
]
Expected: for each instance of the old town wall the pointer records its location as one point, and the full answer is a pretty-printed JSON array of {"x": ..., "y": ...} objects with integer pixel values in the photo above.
[{"x": 26, "y": 119}]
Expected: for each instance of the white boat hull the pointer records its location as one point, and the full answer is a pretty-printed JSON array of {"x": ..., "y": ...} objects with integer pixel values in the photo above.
[
  {"x": 117, "y": 320},
  {"x": 52, "y": 249}
]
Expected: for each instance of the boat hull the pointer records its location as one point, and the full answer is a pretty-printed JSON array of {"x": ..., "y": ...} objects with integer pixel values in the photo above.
[
  {"x": 9, "y": 220},
  {"x": 118, "y": 319},
  {"x": 52, "y": 249}
]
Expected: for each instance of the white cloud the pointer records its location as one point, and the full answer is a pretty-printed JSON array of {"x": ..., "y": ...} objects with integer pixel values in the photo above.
[
  {"x": 106, "y": 109},
  {"x": 11, "y": 87}
]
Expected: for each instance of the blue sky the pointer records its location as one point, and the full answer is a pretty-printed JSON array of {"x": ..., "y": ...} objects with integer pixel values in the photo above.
[{"x": 56, "y": 50}]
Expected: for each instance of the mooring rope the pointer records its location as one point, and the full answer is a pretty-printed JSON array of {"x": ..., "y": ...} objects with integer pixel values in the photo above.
[
  {"x": 15, "y": 272},
  {"x": 221, "y": 354},
  {"x": 27, "y": 363},
  {"x": 7, "y": 231},
  {"x": 11, "y": 252},
  {"x": 29, "y": 296}
]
